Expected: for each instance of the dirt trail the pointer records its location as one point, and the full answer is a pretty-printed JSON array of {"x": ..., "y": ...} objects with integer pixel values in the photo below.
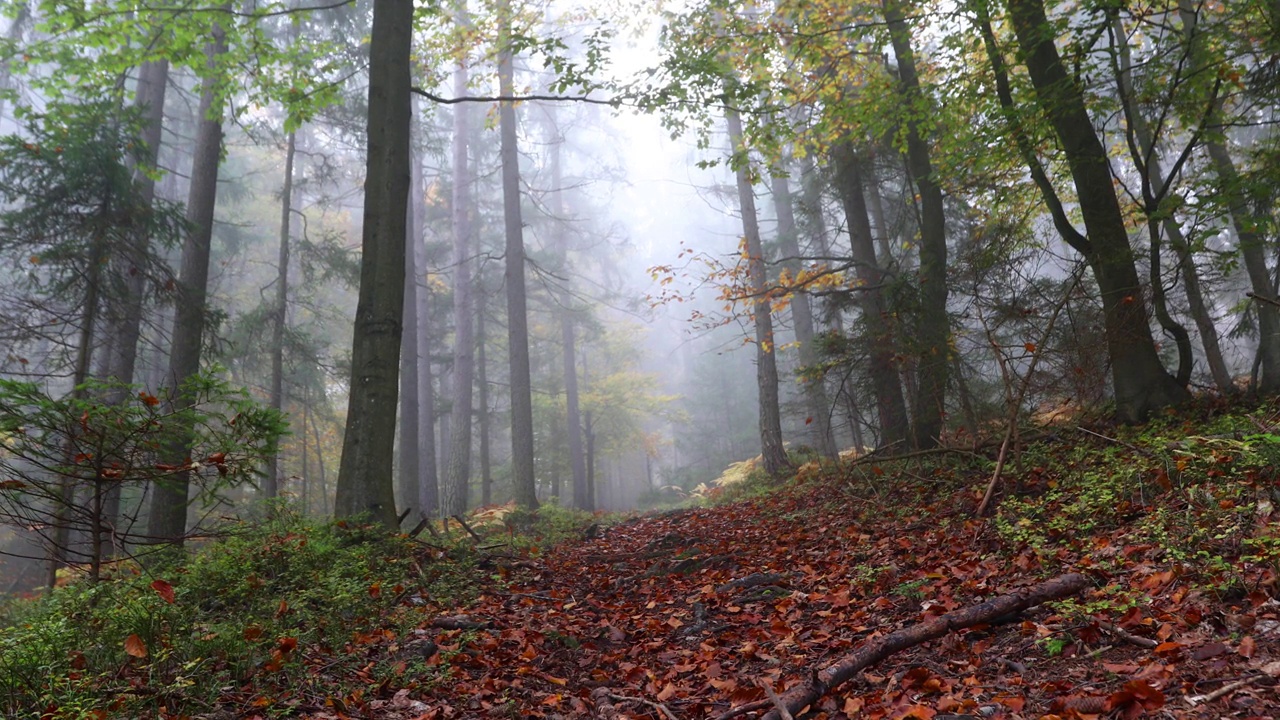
[{"x": 691, "y": 613}]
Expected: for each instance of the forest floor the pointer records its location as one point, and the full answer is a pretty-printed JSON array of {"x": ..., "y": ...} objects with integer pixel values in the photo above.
[
  {"x": 701, "y": 612},
  {"x": 691, "y": 613}
]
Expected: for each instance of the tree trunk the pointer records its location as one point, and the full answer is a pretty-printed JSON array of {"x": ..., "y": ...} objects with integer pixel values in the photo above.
[
  {"x": 524, "y": 484},
  {"x": 771, "y": 448},
  {"x": 365, "y": 484},
  {"x": 819, "y": 409},
  {"x": 271, "y": 483},
  {"x": 891, "y": 408},
  {"x": 60, "y": 552},
  {"x": 17, "y": 29},
  {"x": 125, "y": 321},
  {"x": 168, "y": 519},
  {"x": 482, "y": 380},
  {"x": 457, "y": 475},
  {"x": 410, "y": 471},
  {"x": 429, "y": 483},
  {"x": 568, "y": 345},
  {"x": 1140, "y": 381},
  {"x": 1253, "y": 250},
  {"x": 1155, "y": 184},
  {"x": 933, "y": 326}
]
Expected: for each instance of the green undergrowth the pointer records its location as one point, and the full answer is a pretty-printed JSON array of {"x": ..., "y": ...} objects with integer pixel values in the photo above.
[
  {"x": 1193, "y": 493},
  {"x": 269, "y": 614}
]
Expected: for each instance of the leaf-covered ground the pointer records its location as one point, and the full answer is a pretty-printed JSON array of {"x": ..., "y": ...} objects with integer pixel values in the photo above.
[{"x": 690, "y": 613}]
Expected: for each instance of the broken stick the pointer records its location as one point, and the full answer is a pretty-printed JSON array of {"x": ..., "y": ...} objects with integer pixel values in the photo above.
[{"x": 843, "y": 670}]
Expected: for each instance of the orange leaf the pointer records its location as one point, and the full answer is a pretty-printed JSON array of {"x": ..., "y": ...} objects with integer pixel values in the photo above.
[
  {"x": 164, "y": 590},
  {"x": 287, "y": 644},
  {"x": 1031, "y": 347},
  {"x": 666, "y": 693},
  {"x": 375, "y": 590},
  {"x": 133, "y": 645},
  {"x": 253, "y": 632},
  {"x": 1246, "y": 647}
]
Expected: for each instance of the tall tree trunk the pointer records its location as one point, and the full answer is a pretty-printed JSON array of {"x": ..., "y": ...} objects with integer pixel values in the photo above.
[
  {"x": 1155, "y": 184},
  {"x": 365, "y": 484},
  {"x": 409, "y": 492},
  {"x": 458, "y": 472},
  {"x": 482, "y": 380},
  {"x": 771, "y": 448},
  {"x": 125, "y": 321},
  {"x": 524, "y": 484},
  {"x": 1141, "y": 382},
  {"x": 933, "y": 325},
  {"x": 568, "y": 344},
  {"x": 891, "y": 408},
  {"x": 1253, "y": 249},
  {"x": 271, "y": 483},
  {"x": 167, "y": 521},
  {"x": 819, "y": 409},
  {"x": 1252, "y": 244},
  {"x": 61, "y": 549},
  {"x": 429, "y": 484}
]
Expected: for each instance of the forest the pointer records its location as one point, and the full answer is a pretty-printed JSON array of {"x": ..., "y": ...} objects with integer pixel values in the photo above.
[{"x": 502, "y": 358}]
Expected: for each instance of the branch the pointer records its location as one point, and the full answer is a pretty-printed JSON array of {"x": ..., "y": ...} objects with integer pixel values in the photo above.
[
  {"x": 614, "y": 103},
  {"x": 844, "y": 669}
]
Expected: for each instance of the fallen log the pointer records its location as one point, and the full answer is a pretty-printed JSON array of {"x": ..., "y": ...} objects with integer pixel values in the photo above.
[{"x": 810, "y": 691}]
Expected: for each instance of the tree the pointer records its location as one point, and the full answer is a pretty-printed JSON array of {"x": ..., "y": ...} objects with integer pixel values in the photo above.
[
  {"x": 771, "y": 447},
  {"x": 523, "y": 478},
  {"x": 168, "y": 518},
  {"x": 802, "y": 316},
  {"x": 933, "y": 325},
  {"x": 1140, "y": 381},
  {"x": 458, "y": 472},
  {"x": 365, "y": 484}
]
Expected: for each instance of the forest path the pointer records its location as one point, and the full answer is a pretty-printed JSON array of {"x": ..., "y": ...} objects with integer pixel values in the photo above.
[{"x": 685, "y": 614}]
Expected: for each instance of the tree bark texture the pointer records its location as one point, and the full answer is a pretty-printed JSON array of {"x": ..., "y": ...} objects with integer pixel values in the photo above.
[
  {"x": 1140, "y": 381},
  {"x": 168, "y": 518},
  {"x": 524, "y": 484},
  {"x": 771, "y": 448},
  {"x": 365, "y": 484},
  {"x": 933, "y": 326},
  {"x": 846, "y": 668}
]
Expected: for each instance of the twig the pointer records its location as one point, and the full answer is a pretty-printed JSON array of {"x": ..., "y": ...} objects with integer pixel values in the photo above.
[
  {"x": 1127, "y": 636},
  {"x": 655, "y": 705},
  {"x": 1259, "y": 298},
  {"x": 744, "y": 709},
  {"x": 467, "y": 527},
  {"x": 1194, "y": 700},
  {"x": 783, "y": 712}
]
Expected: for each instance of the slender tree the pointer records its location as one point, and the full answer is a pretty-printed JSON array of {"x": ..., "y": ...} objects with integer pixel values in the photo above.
[
  {"x": 524, "y": 485},
  {"x": 933, "y": 326},
  {"x": 772, "y": 450},
  {"x": 815, "y": 394},
  {"x": 168, "y": 517},
  {"x": 279, "y": 310},
  {"x": 458, "y": 472}
]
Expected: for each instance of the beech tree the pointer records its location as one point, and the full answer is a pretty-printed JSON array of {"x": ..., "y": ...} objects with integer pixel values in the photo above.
[{"x": 365, "y": 483}]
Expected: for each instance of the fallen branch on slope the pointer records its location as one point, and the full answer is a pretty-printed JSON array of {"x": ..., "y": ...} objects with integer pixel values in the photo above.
[{"x": 843, "y": 670}]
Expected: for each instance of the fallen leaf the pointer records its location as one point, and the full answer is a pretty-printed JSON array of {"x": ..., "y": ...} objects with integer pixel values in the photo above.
[
  {"x": 164, "y": 590},
  {"x": 134, "y": 645}
]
